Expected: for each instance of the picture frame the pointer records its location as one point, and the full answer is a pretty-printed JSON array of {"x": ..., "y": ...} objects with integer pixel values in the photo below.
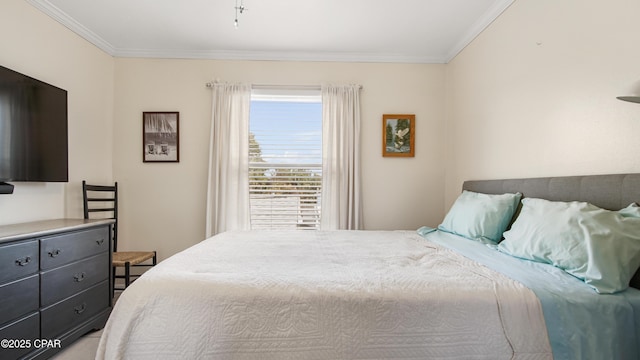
[
  {"x": 398, "y": 135},
  {"x": 161, "y": 136}
]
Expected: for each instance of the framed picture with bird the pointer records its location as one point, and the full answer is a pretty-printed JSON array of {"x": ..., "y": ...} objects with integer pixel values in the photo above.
[{"x": 398, "y": 135}]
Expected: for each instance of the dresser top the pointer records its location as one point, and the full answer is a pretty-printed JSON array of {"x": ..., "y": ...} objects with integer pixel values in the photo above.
[{"x": 46, "y": 227}]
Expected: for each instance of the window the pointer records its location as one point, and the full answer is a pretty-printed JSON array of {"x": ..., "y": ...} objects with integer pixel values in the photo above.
[{"x": 285, "y": 159}]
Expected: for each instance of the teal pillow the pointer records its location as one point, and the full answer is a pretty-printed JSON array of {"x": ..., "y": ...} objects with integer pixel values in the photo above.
[
  {"x": 480, "y": 217},
  {"x": 598, "y": 246}
]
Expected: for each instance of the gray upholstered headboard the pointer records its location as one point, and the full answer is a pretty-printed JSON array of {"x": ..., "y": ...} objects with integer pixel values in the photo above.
[{"x": 612, "y": 192}]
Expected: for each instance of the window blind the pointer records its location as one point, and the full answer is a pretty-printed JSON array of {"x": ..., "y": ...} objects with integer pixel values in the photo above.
[{"x": 285, "y": 159}]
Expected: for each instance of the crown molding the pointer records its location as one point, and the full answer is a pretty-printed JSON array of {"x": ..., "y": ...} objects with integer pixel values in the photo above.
[
  {"x": 478, "y": 27},
  {"x": 58, "y": 15},
  {"x": 277, "y": 56},
  {"x": 64, "y": 19}
]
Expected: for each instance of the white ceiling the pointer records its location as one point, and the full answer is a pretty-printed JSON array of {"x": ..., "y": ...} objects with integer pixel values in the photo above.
[{"x": 412, "y": 31}]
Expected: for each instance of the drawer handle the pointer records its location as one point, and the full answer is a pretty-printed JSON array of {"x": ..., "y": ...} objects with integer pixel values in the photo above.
[
  {"x": 80, "y": 308},
  {"x": 54, "y": 253},
  {"x": 79, "y": 277},
  {"x": 100, "y": 242},
  {"x": 23, "y": 261}
]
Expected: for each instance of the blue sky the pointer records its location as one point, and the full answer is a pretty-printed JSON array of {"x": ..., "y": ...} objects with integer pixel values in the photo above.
[{"x": 296, "y": 124}]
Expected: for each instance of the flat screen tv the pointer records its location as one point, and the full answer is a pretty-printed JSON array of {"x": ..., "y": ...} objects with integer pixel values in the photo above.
[{"x": 33, "y": 129}]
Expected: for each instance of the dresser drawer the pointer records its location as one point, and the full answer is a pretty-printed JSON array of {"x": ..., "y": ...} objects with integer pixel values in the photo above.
[
  {"x": 69, "y": 313},
  {"x": 64, "y": 248},
  {"x": 18, "y": 260},
  {"x": 18, "y": 298},
  {"x": 70, "y": 279},
  {"x": 24, "y": 329}
]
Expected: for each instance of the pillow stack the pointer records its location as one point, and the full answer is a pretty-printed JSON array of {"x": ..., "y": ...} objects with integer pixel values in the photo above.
[{"x": 598, "y": 246}]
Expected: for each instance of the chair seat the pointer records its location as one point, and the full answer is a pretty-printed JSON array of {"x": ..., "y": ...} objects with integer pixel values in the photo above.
[{"x": 120, "y": 258}]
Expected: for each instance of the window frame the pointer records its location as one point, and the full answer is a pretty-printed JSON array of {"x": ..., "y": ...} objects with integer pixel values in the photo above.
[{"x": 275, "y": 211}]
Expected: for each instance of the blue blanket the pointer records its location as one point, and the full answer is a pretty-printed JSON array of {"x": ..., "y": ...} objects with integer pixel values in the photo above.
[{"x": 581, "y": 323}]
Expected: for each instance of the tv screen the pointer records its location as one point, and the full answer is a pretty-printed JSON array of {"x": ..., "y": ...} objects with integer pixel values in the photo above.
[{"x": 33, "y": 129}]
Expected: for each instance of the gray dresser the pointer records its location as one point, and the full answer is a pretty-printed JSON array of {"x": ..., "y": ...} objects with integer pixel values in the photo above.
[{"x": 55, "y": 284}]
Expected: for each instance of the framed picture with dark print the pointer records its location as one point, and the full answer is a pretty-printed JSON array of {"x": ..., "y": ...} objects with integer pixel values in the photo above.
[
  {"x": 398, "y": 135},
  {"x": 160, "y": 136}
]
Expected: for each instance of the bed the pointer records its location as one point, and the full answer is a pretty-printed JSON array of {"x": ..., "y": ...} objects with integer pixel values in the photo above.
[{"x": 426, "y": 294}]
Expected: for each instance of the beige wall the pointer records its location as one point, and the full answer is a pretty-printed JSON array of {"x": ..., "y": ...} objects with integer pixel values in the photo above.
[
  {"x": 534, "y": 94},
  {"x": 36, "y": 45},
  {"x": 163, "y": 204}
]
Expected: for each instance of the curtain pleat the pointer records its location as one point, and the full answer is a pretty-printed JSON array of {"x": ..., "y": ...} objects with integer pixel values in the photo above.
[
  {"x": 228, "y": 182},
  {"x": 341, "y": 199}
]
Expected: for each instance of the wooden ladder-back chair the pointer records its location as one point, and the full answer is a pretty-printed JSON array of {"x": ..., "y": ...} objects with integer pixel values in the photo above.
[{"x": 103, "y": 201}]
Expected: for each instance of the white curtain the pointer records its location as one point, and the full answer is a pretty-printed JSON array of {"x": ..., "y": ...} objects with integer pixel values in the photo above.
[
  {"x": 341, "y": 176},
  {"x": 228, "y": 184}
]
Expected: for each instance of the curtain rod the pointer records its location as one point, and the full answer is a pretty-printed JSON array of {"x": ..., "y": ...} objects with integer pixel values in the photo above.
[
  {"x": 266, "y": 86},
  {"x": 287, "y": 87}
]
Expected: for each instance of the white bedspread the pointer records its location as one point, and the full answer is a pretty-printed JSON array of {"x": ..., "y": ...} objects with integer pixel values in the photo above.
[{"x": 324, "y": 295}]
